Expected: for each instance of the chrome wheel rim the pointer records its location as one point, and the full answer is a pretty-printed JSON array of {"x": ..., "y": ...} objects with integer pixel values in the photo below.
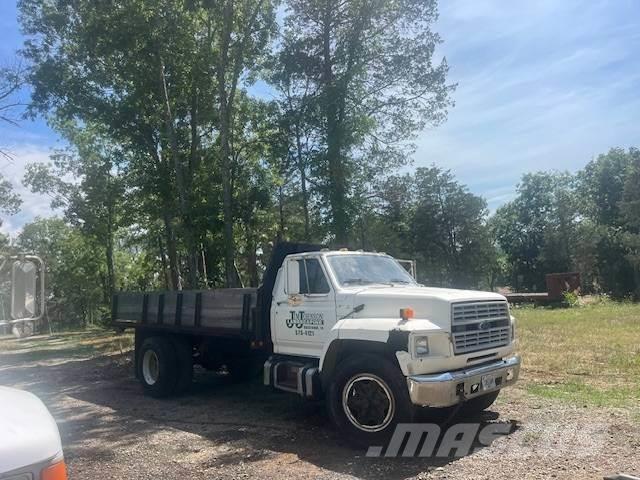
[
  {"x": 150, "y": 367},
  {"x": 368, "y": 403}
]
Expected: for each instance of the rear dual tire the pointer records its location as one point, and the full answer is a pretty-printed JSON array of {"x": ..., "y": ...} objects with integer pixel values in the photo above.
[{"x": 165, "y": 366}]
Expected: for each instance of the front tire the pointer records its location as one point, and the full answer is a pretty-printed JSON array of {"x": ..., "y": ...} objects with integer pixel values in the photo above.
[{"x": 367, "y": 398}]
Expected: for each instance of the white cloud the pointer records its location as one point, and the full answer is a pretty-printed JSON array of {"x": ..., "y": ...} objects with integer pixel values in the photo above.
[
  {"x": 541, "y": 85},
  {"x": 33, "y": 205}
]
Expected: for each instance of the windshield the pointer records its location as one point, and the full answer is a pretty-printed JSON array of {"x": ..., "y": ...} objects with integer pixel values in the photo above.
[{"x": 368, "y": 269}]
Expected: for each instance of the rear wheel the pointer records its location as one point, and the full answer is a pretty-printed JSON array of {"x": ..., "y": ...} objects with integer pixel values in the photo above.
[
  {"x": 367, "y": 398},
  {"x": 157, "y": 367}
]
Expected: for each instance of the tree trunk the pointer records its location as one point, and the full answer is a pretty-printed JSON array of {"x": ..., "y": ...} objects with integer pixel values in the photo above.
[
  {"x": 252, "y": 260},
  {"x": 337, "y": 189},
  {"x": 111, "y": 276},
  {"x": 180, "y": 181},
  {"x": 225, "y": 147},
  {"x": 176, "y": 284},
  {"x": 281, "y": 224},
  {"x": 227, "y": 198},
  {"x": 163, "y": 262},
  {"x": 303, "y": 182}
]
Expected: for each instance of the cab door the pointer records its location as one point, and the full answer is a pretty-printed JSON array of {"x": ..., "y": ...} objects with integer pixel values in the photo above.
[{"x": 305, "y": 309}]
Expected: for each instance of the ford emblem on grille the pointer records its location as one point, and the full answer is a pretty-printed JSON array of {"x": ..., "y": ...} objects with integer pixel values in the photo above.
[{"x": 484, "y": 325}]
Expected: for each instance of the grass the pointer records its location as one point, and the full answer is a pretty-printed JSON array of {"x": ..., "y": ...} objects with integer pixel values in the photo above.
[
  {"x": 587, "y": 355},
  {"x": 63, "y": 346}
]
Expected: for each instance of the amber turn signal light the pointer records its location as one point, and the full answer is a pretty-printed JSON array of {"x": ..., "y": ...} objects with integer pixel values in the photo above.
[
  {"x": 406, "y": 313},
  {"x": 57, "y": 471}
]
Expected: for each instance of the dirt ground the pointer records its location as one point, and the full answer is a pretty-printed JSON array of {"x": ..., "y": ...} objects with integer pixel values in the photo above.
[{"x": 226, "y": 431}]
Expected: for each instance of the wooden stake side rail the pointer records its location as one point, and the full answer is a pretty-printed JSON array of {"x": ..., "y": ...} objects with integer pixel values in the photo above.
[{"x": 221, "y": 312}]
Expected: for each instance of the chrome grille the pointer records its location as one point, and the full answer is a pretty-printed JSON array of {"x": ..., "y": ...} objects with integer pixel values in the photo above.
[{"x": 480, "y": 326}]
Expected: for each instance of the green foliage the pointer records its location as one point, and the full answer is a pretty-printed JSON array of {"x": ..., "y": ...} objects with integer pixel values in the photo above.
[
  {"x": 536, "y": 229},
  {"x": 75, "y": 275},
  {"x": 432, "y": 218},
  {"x": 177, "y": 174},
  {"x": 570, "y": 299},
  {"x": 586, "y": 223},
  {"x": 364, "y": 76},
  {"x": 9, "y": 201},
  {"x": 450, "y": 233}
]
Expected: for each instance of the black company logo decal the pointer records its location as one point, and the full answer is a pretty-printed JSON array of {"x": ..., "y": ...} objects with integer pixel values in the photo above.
[{"x": 306, "y": 321}]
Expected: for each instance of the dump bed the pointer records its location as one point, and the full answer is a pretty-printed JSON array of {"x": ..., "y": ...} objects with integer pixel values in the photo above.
[{"x": 221, "y": 312}]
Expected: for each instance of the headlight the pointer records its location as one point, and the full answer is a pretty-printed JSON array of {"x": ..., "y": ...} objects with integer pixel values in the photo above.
[{"x": 421, "y": 346}]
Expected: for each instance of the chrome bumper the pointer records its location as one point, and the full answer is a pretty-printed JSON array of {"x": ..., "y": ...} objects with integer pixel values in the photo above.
[{"x": 448, "y": 388}]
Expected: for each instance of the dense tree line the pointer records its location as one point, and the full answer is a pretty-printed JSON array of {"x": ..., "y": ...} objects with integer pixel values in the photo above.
[
  {"x": 588, "y": 222},
  {"x": 201, "y": 133}
]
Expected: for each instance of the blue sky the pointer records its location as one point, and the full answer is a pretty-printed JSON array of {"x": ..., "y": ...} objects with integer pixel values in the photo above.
[{"x": 545, "y": 84}]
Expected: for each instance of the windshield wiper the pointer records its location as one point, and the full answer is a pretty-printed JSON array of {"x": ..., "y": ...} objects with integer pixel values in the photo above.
[
  {"x": 362, "y": 281},
  {"x": 357, "y": 281},
  {"x": 399, "y": 280}
]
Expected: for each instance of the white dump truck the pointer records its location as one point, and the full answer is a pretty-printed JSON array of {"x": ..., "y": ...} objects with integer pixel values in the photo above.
[{"x": 350, "y": 327}]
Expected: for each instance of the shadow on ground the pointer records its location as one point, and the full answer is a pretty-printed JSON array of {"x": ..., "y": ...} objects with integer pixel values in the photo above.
[{"x": 101, "y": 411}]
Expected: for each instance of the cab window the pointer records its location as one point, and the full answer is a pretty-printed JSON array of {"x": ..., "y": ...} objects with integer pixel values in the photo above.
[{"x": 312, "y": 278}]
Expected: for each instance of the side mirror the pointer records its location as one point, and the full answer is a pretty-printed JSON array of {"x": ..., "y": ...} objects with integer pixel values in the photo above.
[
  {"x": 293, "y": 277},
  {"x": 24, "y": 277}
]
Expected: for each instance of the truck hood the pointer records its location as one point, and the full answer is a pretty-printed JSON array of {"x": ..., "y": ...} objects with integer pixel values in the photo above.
[
  {"x": 433, "y": 304},
  {"x": 29, "y": 433}
]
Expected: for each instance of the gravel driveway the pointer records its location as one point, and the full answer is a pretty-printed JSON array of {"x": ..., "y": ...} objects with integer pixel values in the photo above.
[{"x": 226, "y": 431}]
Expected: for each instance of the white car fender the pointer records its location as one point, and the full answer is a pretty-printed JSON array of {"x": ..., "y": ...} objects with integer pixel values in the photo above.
[
  {"x": 375, "y": 330},
  {"x": 28, "y": 432}
]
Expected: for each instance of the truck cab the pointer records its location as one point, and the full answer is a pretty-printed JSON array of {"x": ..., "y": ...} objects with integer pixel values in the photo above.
[{"x": 406, "y": 344}]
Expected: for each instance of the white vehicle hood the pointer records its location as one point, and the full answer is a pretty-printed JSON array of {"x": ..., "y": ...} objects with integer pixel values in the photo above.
[
  {"x": 28, "y": 432},
  {"x": 433, "y": 304}
]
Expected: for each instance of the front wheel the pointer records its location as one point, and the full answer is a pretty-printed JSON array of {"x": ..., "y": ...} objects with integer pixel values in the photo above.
[{"x": 367, "y": 398}]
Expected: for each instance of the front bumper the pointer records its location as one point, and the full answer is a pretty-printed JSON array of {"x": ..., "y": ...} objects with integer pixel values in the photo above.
[{"x": 448, "y": 388}]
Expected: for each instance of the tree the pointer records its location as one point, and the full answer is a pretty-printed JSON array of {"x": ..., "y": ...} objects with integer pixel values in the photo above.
[
  {"x": 9, "y": 201},
  {"x": 536, "y": 229},
  {"x": 450, "y": 232},
  {"x": 370, "y": 67},
  {"x": 93, "y": 199},
  {"x": 243, "y": 31},
  {"x": 12, "y": 79},
  {"x": 298, "y": 120},
  {"x": 163, "y": 79},
  {"x": 135, "y": 68},
  {"x": 630, "y": 211},
  {"x": 432, "y": 218},
  {"x": 74, "y": 273},
  {"x": 601, "y": 187}
]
